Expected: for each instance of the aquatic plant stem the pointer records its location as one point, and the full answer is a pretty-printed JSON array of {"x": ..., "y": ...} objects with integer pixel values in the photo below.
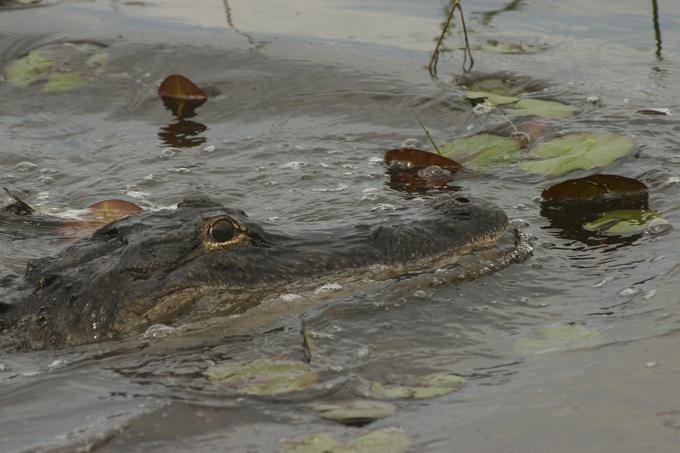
[
  {"x": 427, "y": 133},
  {"x": 432, "y": 66}
]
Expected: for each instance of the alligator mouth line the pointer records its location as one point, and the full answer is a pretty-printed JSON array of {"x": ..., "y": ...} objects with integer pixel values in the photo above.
[{"x": 239, "y": 310}]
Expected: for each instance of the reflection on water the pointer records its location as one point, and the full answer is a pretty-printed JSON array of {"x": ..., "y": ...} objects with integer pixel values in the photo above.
[
  {"x": 183, "y": 134},
  {"x": 487, "y": 16}
]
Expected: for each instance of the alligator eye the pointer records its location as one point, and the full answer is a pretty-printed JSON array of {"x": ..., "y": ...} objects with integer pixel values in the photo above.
[{"x": 223, "y": 231}]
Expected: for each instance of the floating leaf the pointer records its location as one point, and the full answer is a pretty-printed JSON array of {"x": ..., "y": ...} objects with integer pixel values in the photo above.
[
  {"x": 497, "y": 85},
  {"x": 181, "y": 96},
  {"x": 416, "y": 170},
  {"x": 513, "y": 47},
  {"x": 428, "y": 386},
  {"x": 113, "y": 209},
  {"x": 596, "y": 187},
  {"x": 557, "y": 338},
  {"x": 483, "y": 150},
  {"x": 622, "y": 222},
  {"x": 356, "y": 413},
  {"x": 540, "y": 107},
  {"x": 264, "y": 377},
  {"x": 413, "y": 157},
  {"x": 491, "y": 98},
  {"x": 58, "y": 67},
  {"x": 385, "y": 440},
  {"x": 19, "y": 206},
  {"x": 578, "y": 151}
]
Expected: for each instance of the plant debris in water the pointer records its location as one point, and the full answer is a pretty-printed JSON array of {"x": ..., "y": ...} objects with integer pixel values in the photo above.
[
  {"x": 622, "y": 222},
  {"x": 562, "y": 337},
  {"x": 483, "y": 151},
  {"x": 416, "y": 170},
  {"x": 58, "y": 67},
  {"x": 181, "y": 96}
]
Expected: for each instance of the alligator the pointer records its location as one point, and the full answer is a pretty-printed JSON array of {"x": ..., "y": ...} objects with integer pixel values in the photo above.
[{"x": 203, "y": 259}]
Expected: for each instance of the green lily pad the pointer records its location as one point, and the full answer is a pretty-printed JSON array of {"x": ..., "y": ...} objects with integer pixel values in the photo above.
[
  {"x": 496, "y": 85},
  {"x": 58, "y": 67},
  {"x": 491, "y": 98},
  {"x": 264, "y": 376},
  {"x": 428, "y": 386},
  {"x": 557, "y": 338},
  {"x": 482, "y": 151},
  {"x": 577, "y": 151},
  {"x": 358, "y": 412},
  {"x": 622, "y": 222},
  {"x": 540, "y": 107},
  {"x": 385, "y": 440}
]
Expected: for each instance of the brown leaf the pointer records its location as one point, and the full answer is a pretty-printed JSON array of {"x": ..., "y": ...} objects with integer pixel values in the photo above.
[{"x": 181, "y": 95}]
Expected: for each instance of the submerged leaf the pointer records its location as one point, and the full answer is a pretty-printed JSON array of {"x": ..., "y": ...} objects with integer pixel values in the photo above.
[
  {"x": 557, "y": 338},
  {"x": 181, "y": 95},
  {"x": 264, "y": 377},
  {"x": 414, "y": 170},
  {"x": 428, "y": 386},
  {"x": 513, "y": 47},
  {"x": 58, "y": 67},
  {"x": 483, "y": 150},
  {"x": 540, "y": 107},
  {"x": 385, "y": 440},
  {"x": 355, "y": 413},
  {"x": 577, "y": 151},
  {"x": 491, "y": 98},
  {"x": 622, "y": 222}
]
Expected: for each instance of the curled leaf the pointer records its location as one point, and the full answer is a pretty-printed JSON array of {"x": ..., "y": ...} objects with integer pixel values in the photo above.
[
  {"x": 181, "y": 96},
  {"x": 355, "y": 413}
]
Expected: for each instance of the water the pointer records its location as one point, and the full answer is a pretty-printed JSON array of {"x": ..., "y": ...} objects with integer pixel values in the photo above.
[{"x": 305, "y": 97}]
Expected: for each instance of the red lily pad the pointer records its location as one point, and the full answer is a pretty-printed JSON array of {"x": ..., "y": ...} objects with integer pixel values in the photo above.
[
  {"x": 594, "y": 187},
  {"x": 181, "y": 96},
  {"x": 415, "y": 170}
]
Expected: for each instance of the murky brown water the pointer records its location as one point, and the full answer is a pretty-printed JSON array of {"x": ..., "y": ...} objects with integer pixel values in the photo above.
[{"x": 305, "y": 97}]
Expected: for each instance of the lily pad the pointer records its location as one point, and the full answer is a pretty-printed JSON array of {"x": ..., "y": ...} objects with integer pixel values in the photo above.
[
  {"x": 577, "y": 151},
  {"x": 355, "y": 413},
  {"x": 540, "y": 107},
  {"x": 595, "y": 187},
  {"x": 416, "y": 170},
  {"x": 58, "y": 67},
  {"x": 491, "y": 98},
  {"x": 418, "y": 158},
  {"x": 483, "y": 151},
  {"x": 385, "y": 440},
  {"x": 264, "y": 377},
  {"x": 557, "y": 338},
  {"x": 181, "y": 96},
  {"x": 497, "y": 85},
  {"x": 428, "y": 386},
  {"x": 622, "y": 222}
]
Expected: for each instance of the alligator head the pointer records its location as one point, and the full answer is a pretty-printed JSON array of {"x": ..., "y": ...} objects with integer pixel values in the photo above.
[{"x": 203, "y": 259}]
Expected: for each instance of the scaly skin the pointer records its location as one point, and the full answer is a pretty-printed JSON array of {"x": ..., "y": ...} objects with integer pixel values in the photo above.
[{"x": 203, "y": 259}]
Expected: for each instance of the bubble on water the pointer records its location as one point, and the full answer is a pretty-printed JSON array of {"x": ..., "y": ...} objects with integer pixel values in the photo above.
[
  {"x": 209, "y": 148},
  {"x": 593, "y": 99},
  {"x": 375, "y": 161},
  {"x": 290, "y": 297},
  {"x": 149, "y": 177},
  {"x": 167, "y": 152},
  {"x": 630, "y": 291},
  {"x": 46, "y": 179},
  {"x": 159, "y": 331},
  {"x": 411, "y": 143},
  {"x": 370, "y": 193},
  {"x": 57, "y": 363},
  {"x": 42, "y": 196},
  {"x": 136, "y": 193},
  {"x": 649, "y": 294},
  {"x": 338, "y": 188},
  {"x": 658, "y": 226},
  {"x": 521, "y": 207},
  {"x": 180, "y": 170},
  {"x": 384, "y": 207},
  {"x": 25, "y": 166},
  {"x": 363, "y": 352},
  {"x": 651, "y": 364},
  {"x": 272, "y": 219},
  {"x": 328, "y": 288},
  {"x": 295, "y": 165},
  {"x": 483, "y": 108},
  {"x": 3, "y": 367},
  {"x": 519, "y": 223}
]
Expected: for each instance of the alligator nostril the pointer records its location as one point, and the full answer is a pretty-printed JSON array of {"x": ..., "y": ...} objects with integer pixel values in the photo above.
[{"x": 463, "y": 200}]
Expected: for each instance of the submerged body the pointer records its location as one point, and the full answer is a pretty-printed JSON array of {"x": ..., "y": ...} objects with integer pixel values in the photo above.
[{"x": 203, "y": 260}]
